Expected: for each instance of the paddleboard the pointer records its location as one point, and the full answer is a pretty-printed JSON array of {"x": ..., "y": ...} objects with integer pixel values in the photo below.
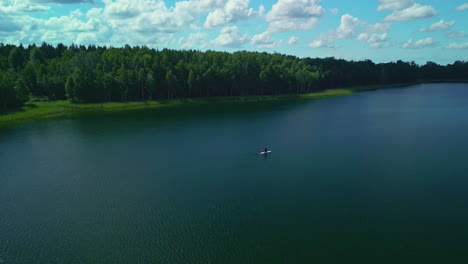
[{"x": 263, "y": 152}]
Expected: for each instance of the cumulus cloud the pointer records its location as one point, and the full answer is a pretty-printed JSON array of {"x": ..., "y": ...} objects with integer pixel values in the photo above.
[
  {"x": 375, "y": 40},
  {"x": 379, "y": 27},
  {"x": 89, "y": 28},
  {"x": 363, "y": 37},
  {"x": 206, "y": 5},
  {"x": 70, "y": 23},
  {"x": 10, "y": 7},
  {"x": 346, "y": 29},
  {"x": 102, "y": 35},
  {"x": 370, "y": 35},
  {"x": 291, "y": 25},
  {"x": 442, "y": 25},
  {"x": 293, "y": 40},
  {"x": 378, "y": 45},
  {"x": 233, "y": 11},
  {"x": 323, "y": 41},
  {"x": 230, "y": 37},
  {"x": 458, "y": 45},
  {"x": 457, "y": 34},
  {"x": 152, "y": 16},
  {"x": 416, "y": 11},
  {"x": 263, "y": 41},
  {"x": 419, "y": 44},
  {"x": 9, "y": 26},
  {"x": 11, "y": 13},
  {"x": 125, "y": 9},
  {"x": 292, "y": 9},
  {"x": 65, "y": 1},
  {"x": 76, "y": 27},
  {"x": 394, "y": 4},
  {"x": 462, "y": 7},
  {"x": 193, "y": 40},
  {"x": 288, "y": 15},
  {"x": 117, "y": 22}
]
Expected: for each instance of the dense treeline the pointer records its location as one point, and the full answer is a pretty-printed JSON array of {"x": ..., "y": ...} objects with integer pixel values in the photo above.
[{"x": 97, "y": 74}]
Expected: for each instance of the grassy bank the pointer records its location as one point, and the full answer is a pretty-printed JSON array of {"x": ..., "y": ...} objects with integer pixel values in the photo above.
[{"x": 40, "y": 110}]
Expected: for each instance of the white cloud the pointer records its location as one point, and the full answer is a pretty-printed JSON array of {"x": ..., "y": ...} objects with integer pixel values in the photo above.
[
  {"x": 288, "y": 15},
  {"x": 12, "y": 14},
  {"x": 363, "y": 37},
  {"x": 292, "y": 9},
  {"x": 291, "y": 25},
  {"x": 378, "y": 45},
  {"x": 394, "y": 4},
  {"x": 293, "y": 40},
  {"x": 416, "y": 11},
  {"x": 458, "y": 45},
  {"x": 263, "y": 41},
  {"x": 124, "y": 9},
  {"x": 322, "y": 42},
  {"x": 379, "y": 27},
  {"x": 462, "y": 7},
  {"x": 261, "y": 10},
  {"x": 102, "y": 35},
  {"x": 206, "y": 5},
  {"x": 75, "y": 27},
  {"x": 65, "y": 1},
  {"x": 10, "y": 26},
  {"x": 143, "y": 16},
  {"x": 346, "y": 29},
  {"x": 153, "y": 16},
  {"x": 193, "y": 41},
  {"x": 377, "y": 38},
  {"x": 11, "y": 7},
  {"x": 334, "y": 11},
  {"x": 94, "y": 12},
  {"x": 457, "y": 34},
  {"x": 89, "y": 28},
  {"x": 442, "y": 25},
  {"x": 372, "y": 38},
  {"x": 71, "y": 23},
  {"x": 233, "y": 11},
  {"x": 136, "y": 22},
  {"x": 419, "y": 44},
  {"x": 230, "y": 37}
]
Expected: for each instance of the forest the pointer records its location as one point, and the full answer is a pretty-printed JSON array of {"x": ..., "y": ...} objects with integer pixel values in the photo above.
[{"x": 91, "y": 73}]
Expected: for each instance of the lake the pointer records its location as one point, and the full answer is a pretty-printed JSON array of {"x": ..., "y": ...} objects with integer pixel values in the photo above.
[{"x": 373, "y": 177}]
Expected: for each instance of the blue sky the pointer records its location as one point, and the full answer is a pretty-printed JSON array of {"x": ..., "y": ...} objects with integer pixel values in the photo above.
[{"x": 380, "y": 30}]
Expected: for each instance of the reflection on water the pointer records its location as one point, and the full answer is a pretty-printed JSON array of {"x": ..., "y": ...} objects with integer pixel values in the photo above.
[{"x": 359, "y": 177}]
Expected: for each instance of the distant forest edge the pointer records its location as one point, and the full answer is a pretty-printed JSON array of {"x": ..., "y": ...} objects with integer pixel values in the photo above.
[{"x": 85, "y": 74}]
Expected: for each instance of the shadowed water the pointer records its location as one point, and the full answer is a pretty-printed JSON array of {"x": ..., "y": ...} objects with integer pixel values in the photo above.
[{"x": 374, "y": 177}]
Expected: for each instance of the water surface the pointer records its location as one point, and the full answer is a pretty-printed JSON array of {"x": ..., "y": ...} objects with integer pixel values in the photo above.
[{"x": 374, "y": 177}]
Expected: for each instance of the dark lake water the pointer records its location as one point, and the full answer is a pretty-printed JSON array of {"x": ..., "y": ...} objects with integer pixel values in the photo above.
[{"x": 374, "y": 177}]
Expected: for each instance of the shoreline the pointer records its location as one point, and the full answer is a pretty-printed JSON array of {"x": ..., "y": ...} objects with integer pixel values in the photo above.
[{"x": 44, "y": 110}]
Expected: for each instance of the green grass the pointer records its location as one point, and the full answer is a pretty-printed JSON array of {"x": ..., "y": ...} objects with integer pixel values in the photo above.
[
  {"x": 34, "y": 110},
  {"x": 40, "y": 110}
]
